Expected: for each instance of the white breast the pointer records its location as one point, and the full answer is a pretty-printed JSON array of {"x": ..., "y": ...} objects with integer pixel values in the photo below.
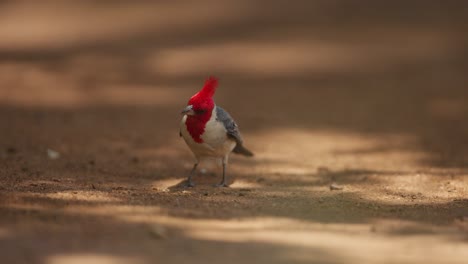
[{"x": 215, "y": 140}]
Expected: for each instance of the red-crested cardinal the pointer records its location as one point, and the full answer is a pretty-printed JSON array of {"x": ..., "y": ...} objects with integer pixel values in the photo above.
[{"x": 209, "y": 131}]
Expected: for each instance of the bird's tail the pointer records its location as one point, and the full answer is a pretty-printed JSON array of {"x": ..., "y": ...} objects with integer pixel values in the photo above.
[{"x": 240, "y": 149}]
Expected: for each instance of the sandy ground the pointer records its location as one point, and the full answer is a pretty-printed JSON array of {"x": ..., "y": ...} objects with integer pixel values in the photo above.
[{"x": 368, "y": 97}]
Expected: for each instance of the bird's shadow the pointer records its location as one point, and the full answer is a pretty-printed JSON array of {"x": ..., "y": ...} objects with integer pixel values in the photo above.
[
  {"x": 183, "y": 185},
  {"x": 202, "y": 180}
]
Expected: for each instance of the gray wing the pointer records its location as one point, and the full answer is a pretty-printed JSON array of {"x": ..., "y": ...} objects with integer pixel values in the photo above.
[{"x": 230, "y": 125}]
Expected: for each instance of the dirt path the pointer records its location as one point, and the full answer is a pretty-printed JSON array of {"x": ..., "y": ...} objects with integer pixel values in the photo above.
[{"x": 324, "y": 94}]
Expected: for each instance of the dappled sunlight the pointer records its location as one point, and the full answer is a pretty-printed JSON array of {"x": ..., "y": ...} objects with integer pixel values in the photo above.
[
  {"x": 420, "y": 188},
  {"x": 132, "y": 213},
  {"x": 310, "y": 150},
  {"x": 299, "y": 219},
  {"x": 92, "y": 259},
  {"x": 411, "y": 228},
  {"x": 295, "y": 55},
  {"x": 347, "y": 243},
  {"x": 355, "y": 112},
  {"x": 83, "y": 196},
  {"x": 44, "y": 89},
  {"x": 261, "y": 58},
  {"x": 63, "y": 25},
  {"x": 240, "y": 184},
  {"x": 163, "y": 185}
]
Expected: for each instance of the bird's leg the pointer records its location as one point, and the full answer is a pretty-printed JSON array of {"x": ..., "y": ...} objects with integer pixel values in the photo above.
[
  {"x": 224, "y": 182},
  {"x": 189, "y": 179}
]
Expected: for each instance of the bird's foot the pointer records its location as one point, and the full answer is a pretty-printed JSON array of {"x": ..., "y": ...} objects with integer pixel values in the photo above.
[
  {"x": 189, "y": 184},
  {"x": 222, "y": 184}
]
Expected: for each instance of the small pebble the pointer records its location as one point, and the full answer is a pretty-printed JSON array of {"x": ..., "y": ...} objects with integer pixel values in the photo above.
[
  {"x": 157, "y": 232},
  {"x": 335, "y": 187},
  {"x": 52, "y": 154}
]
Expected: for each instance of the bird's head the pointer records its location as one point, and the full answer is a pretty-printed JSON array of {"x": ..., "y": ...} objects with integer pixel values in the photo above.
[{"x": 201, "y": 104}]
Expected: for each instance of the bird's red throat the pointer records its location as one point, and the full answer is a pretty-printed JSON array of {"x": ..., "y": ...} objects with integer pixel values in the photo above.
[{"x": 196, "y": 125}]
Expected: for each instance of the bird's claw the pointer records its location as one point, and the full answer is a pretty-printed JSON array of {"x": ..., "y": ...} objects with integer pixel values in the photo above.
[
  {"x": 189, "y": 184},
  {"x": 222, "y": 184}
]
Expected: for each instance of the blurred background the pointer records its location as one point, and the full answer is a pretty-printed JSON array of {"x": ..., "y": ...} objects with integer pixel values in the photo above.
[
  {"x": 371, "y": 95},
  {"x": 361, "y": 66}
]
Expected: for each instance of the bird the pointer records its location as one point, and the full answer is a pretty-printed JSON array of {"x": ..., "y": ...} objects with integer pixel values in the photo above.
[{"x": 209, "y": 131}]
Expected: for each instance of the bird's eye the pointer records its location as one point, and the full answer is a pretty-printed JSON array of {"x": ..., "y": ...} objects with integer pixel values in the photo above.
[{"x": 200, "y": 111}]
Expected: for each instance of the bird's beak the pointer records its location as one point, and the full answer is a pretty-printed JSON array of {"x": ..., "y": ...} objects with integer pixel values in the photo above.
[{"x": 188, "y": 110}]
